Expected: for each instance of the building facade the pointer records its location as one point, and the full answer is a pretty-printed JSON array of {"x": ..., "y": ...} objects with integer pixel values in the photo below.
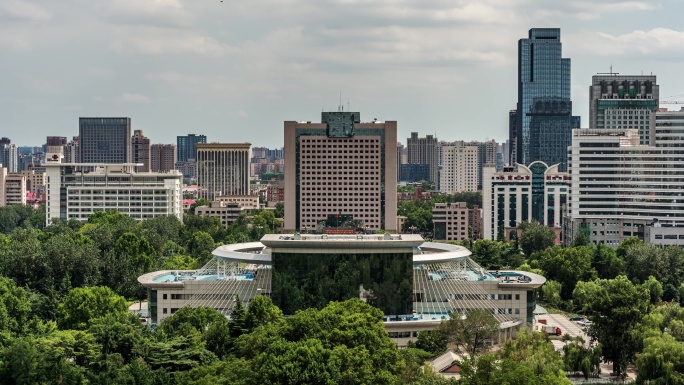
[
  {"x": 412, "y": 173},
  {"x": 543, "y": 76},
  {"x": 623, "y": 102},
  {"x": 459, "y": 171},
  {"x": 74, "y": 192},
  {"x": 451, "y": 221},
  {"x": 340, "y": 166},
  {"x": 620, "y": 186},
  {"x": 105, "y": 140},
  {"x": 222, "y": 169},
  {"x": 226, "y": 211},
  {"x": 162, "y": 157},
  {"x": 141, "y": 151},
  {"x": 424, "y": 151},
  {"x": 535, "y": 192}
]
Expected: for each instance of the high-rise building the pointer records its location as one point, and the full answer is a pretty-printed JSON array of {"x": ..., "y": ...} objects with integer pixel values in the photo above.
[
  {"x": 621, "y": 187},
  {"x": 486, "y": 154},
  {"x": 10, "y": 157},
  {"x": 5, "y": 140},
  {"x": 400, "y": 151},
  {"x": 222, "y": 169},
  {"x": 624, "y": 101},
  {"x": 187, "y": 146},
  {"x": 162, "y": 157},
  {"x": 544, "y": 111},
  {"x": 535, "y": 192},
  {"x": 105, "y": 140},
  {"x": 424, "y": 151},
  {"x": 341, "y": 167},
  {"x": 459, "y": 171},
  {"x": 72, "y": 152},
  {"x": 141, "y": 151}
]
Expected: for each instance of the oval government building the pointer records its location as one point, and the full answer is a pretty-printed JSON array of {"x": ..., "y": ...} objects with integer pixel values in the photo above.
[{"x": 416, "y": 284}]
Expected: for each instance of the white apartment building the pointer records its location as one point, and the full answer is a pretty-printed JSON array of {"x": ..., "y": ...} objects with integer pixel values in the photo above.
[
  {"x": 340, "y": 167},
  {"x": 620, "y": 187},
  {"x": 459, "y": 171},
  {"x": 510, "y": 197},
  {"x": 76, "y": 190}
]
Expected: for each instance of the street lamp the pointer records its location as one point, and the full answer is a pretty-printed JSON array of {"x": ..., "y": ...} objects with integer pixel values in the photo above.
[{"x": 412, "y": 228}]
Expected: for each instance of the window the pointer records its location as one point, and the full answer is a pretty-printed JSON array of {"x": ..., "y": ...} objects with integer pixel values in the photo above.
[
  {"x": 164, "y": 296},
  {"x": 165, "y": 311}
]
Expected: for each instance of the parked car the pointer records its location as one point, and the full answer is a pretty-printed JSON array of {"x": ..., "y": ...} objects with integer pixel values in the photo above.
[{"x": 577, "y": 318}]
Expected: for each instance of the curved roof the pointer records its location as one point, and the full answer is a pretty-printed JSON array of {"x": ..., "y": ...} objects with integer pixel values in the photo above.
[{"x": 260, "y": 252}]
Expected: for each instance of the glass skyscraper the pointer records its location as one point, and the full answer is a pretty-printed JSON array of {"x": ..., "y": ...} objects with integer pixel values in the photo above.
[
  {"x": 544, "y": 110},
  {"x": 187, "y": 146}
]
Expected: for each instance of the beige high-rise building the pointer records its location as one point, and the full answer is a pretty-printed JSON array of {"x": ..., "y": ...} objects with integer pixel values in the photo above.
[
  {"x": 341, "y": 167},
  {"x": 141, "y": 151},
  {"x": 222, "y": 169},
  {"x": 162, "y": 157},
  {"x": 459, "y": 167},
  {"x": 12, "y": 188}
]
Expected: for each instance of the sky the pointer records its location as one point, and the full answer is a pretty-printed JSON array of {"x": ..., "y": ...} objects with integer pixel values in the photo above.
[{"x": 234, "y": 70}]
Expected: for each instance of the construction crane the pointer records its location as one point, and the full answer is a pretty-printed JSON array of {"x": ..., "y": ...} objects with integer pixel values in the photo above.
[{"x": 673, "y": 99}]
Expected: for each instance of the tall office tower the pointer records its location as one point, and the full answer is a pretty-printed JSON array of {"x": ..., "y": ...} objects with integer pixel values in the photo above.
[
  {"x": 400, "y": 150},
  {"x": 222, "y": 169},
  {"x": 187, "y": 146},
  {"x": 459, "y": 171},
  {"x": 624, "y": 101},
  {"x": 341, "y": 167},
  {"x": 105, "y": 140},
  {"x": 4, "y": 141},
  {"x": 72, "y": 153},
  {"x": 424, "y": 151},
  {"x": 162, "y": 157},
  {"x": 623, "y": 189},
  {"x": 10, "y": 157},
  {"x": 544, "y": 111},
  {"x": 56, "y": 141},
  {"x": 141, "y": 151}
]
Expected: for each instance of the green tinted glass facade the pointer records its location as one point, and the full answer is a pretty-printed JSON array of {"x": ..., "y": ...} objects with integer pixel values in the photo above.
[{"x": 303, "y": 280}]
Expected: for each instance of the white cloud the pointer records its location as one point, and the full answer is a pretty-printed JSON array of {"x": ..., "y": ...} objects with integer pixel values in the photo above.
[
  {"x": 150, "y": 41},
  {"x": 660, "y": 42},
  {"x": 127, "y": 97},
  {"x": 23, "y": 10}
]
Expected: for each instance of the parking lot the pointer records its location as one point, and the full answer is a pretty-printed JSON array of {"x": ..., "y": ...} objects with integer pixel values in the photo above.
[{"x": 567, "y": 327}]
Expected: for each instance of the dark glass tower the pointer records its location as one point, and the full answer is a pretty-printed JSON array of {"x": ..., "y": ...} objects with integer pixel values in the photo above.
[
  {"x": 105, "y": 140},
  {"x": 544, "y": 110},
  {"x": 187, "y": 146}
]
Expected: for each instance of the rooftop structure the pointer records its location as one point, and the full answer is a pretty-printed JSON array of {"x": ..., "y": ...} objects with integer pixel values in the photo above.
[{"x": 417, "y": 284}]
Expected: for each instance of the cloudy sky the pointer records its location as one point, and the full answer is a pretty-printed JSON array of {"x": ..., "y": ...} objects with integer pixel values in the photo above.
[{"x": 235, "y": 70}]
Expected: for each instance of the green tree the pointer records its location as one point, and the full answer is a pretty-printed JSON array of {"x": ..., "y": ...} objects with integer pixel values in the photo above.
[
  {"x": 661, "y": 362},
  {"x": 201, "y": 246},
  {"x": 279, "y": 210},
  {"x": 535, "y": 237},
  {"x": 487, "y": 253},
  {"x": 84, "y": 304},
  {"x": 15, "y": 309},
  {"x": 550, "y": 293},
  {"x": 615, "y": 306},
  {"x": 261, "y": 311},
  {"x": 606, "y": 262},
  {"x": 472, "y": 332},
  {"x": 567, "y": 266}
]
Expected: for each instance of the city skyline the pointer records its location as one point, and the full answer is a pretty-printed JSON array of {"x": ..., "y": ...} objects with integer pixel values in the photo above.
[{"x": 228, "y": 70}]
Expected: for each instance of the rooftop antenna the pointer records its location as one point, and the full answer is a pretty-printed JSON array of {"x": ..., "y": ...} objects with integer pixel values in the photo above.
[
  {"x": 340, "y": 107},
  {"x": 611, "y": 68},
  {"x": 348, "y": 108}
]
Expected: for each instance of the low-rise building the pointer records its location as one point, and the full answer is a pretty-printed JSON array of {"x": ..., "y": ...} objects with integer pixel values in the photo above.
[
  {"x": 450, "y": 221},
  {"x": 246, "y": 202},
  {"x": 227, "y": 211},
  {"x": 76, "y": 190}
]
